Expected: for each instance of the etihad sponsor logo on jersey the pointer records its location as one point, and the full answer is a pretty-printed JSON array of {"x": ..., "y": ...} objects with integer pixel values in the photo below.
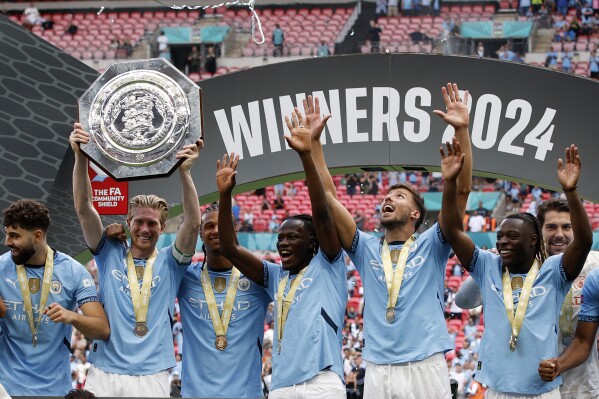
[
  {"x": 302, "y": 290},
  {"x": 16, "y": 310},
  {"x": 204, "y": 314},
  {"x": 122, "y": 277},
  {"x": 411, "y": 268},
  {"x": 534, "y": 292}
]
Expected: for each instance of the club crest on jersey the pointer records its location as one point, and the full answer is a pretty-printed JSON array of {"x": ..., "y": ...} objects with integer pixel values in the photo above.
[
  {"x": 34, "y": 285},
  {"x": 244, "y": 284},
  {"x": 55, "y": 287},
  {"x": 220, "y": 283}
]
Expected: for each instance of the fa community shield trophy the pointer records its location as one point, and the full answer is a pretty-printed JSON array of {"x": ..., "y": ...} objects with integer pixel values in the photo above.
[{"x": 139, "y": 114}]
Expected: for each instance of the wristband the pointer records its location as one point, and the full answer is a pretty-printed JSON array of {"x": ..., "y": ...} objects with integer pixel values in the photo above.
[{"x": 570, "y": 189}]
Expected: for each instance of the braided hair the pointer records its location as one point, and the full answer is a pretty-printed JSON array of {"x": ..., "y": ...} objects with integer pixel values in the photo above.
[{"x": 540, "y": 253}]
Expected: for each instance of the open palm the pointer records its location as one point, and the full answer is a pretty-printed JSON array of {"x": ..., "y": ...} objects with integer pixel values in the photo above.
[
  {"x": 300, "y": 136},
  {"x": 316, "y": 121},
  {"x": 453, "y": 161},
  {"x": 569, "y": 172},
  {"x": 457, "y": 109},
  {"x": 225, "y": 173}
]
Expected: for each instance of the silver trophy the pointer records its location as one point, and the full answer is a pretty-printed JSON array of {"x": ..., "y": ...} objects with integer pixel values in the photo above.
[{"x": 139, "y": 114}]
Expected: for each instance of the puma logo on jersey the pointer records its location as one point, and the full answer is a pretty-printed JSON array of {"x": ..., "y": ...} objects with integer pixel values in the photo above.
[{"x": 14, "y": 283}]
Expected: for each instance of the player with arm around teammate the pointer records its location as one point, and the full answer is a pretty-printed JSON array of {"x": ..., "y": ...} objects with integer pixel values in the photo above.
[
  {"x": 522, "y": 291},
  {"x": 585, "y": 337},
  {"x": 138, "y": 285},
  {"x": 581, "y": 382},
  {"x": 309, "y": 289}
]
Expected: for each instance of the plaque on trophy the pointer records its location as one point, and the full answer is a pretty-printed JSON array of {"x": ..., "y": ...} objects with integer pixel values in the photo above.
[{"x": 139, "y": 114}]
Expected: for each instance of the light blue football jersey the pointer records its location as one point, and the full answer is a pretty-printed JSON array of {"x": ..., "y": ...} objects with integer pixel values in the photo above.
[
  {"x": 43, "y": 370},
  {"x": 312, "y": 335},
  {"x": 418, "y": 330},
  {"x": 124, "y": 352},
  {"x": 498, "y": 367},
  {"x": 589, "y": 310},
  {"x": 235, "y": 372}
]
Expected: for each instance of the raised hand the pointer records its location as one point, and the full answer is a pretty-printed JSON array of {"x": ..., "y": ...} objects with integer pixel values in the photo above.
[
  {"x": 78, "y": 136},
  {"x": 299, "y": 127},
  {"x": 190, "y": 153},
  {"x": 548, "y": 369},
  {"x": 316, "y": 122},
  {"x": 568, "y": 173},
  {"x": 457, "y": 109},
  {"x": 452, "y": 163},
  {"x": 225, "y": 173}
]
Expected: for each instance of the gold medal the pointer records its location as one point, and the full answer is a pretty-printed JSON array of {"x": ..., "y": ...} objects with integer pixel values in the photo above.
[
  {"x": 141, "y": 329},
  {"x": 513, "y": 341},
  {"x": 390, "y": 315},
  {"x": 221, "y": 342},
  {"x": 393, "y": 278},
  {"x": 517, "y": 283},
  {"x": 34, "y": 340}
]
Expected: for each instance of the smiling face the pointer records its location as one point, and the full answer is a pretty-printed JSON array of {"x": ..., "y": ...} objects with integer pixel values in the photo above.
[
  {"x": 145, "y": 227},
  {"x": 209, "y": 232},
  {"x": 398, "y": 208},
  {"x": 296, "y": 244},
  {"x": 22, "y": 243},
  {"x": 516, "y": 243},
  {"x": 557, "y": 232}
]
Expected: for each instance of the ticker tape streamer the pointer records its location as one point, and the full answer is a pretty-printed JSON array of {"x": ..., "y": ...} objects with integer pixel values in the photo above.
[{"x": 256, "y": 24}]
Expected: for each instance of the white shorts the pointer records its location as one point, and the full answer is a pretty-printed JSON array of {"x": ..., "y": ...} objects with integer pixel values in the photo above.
[
  {"x": 104, "y": 384},
  {"x": 3, "y": 393},
  {"x": 428, "y": 378},
  {"x": 325, "y": 385},
  {"x": 493, "y": 394}
]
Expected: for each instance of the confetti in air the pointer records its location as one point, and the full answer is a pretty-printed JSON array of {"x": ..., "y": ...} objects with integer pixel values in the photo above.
[
  {"x": 100, "y": 11},
  {"x": 256, "y": 24}
]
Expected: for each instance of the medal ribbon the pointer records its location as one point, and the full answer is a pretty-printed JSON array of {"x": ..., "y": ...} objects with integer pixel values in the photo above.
[
  {"x": 140, "y": 299},
  {"x": 394, "y": 279},
  {"x": 220, "y": 323},
  {"x": 517, "y": 319},
  {"x": 23, "y": 283},
  {"x": 284, "y": 305},
  {"x": 565, "y": 317}
]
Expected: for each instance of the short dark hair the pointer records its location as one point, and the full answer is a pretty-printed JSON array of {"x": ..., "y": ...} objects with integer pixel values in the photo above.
[
  {"x": 307, "y": 220},
  {"x": 27, "y": 214},
  {"x": 418, "y": 199},
  {"x": 554, "y": 204},
  {"x": 79, "y": 394}
]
